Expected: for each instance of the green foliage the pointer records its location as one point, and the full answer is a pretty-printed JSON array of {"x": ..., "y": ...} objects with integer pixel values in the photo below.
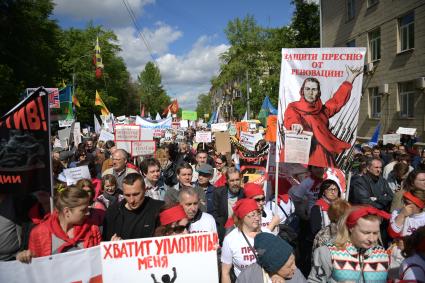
[
  {"x": 203, "y": 105},
  {"x": 151, "y": 92},
  {"x": 256, "y": 51},
  {"x": 77, "y": 67},
  {"x": 28, "y": 48}
]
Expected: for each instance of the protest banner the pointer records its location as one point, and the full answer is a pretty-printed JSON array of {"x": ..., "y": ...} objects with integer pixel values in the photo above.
[
  {"x": 222, "y": 142},
  {"x": 106, "y": 136},
  {"x": 184, "y": 124},
  {"x": 127, "y": 133},
  {"x": 158, "y": 133},
  {"x": 76, "y": 132},
  {"x": 406, "y": 131},
  {"x": 54, "y": 101},
  {"x": 82, "y": 266},
  {"x": 249, "y": 140},
  {"x": 65, "y": 123},
  {"x": 72, "y": 175},
  {"x": 189, "y": 115},
  {"x": 219, "y": 127},
  {"x": 203, "y": 137},
  {"x": 297, "y": 147},
  {"x": 25, "y": 162},
  {"x": 146, "y": 134},
  {"x": 391, "y": 138},
  {"x": 161, "y": 124},
  {"x": 320, "y": 90},
  {"x": 139, "y": 148},
  {"x": 184, "y": 258}
]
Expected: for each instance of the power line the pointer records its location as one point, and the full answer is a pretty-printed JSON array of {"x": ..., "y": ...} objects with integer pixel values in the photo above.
[{"x": 145, "y": 41}]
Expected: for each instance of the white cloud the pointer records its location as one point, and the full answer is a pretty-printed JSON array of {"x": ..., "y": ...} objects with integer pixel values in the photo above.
[
  {"x": 113, "y": 12},
  {"x": 183, "y": 76}
]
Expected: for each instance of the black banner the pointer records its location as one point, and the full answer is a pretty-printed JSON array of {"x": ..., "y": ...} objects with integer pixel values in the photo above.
[{"x": 25, "y": 164}]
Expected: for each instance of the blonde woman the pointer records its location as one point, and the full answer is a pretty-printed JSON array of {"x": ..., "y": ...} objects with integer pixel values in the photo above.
[{"x": 355, "y": 256}]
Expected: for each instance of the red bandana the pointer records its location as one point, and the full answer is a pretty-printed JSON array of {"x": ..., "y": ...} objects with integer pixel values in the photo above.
[
  {"x": 251, "y": 190},
  {"x": 417, "y": 201},
  {"x": 244, "y": 206},
  {"x": 171, "y": 215},
  {"x": 364, "y": 211}
]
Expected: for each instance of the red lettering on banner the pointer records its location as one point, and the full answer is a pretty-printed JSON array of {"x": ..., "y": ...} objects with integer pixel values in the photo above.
[
  {"x": 187, "y": 244},
  {"x": 127, "y": 249},
  {"x": 152, "y": 261},
  {"x": 10, "y": 179},
  {"x": 95, "y": 279},
  {"x": 19, "y": 118},
  {"x": 34, "y": 122}
]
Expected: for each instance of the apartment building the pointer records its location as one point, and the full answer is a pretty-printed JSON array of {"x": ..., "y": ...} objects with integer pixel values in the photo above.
[{"x": 393, "y": 31}]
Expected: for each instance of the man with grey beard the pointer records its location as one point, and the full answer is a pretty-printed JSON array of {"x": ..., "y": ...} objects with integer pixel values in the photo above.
[{"x": 224, "y": 198}]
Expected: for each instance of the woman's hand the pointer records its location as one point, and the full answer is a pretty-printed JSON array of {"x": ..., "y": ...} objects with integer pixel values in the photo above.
[
  {"x": 25, "y": 256},
  {"x": 353, "y": 73}
]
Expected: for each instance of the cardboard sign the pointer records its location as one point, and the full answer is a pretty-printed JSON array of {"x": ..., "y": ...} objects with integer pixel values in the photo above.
[
  {"x": 72, "y": 175},
  {"x": 143, "y": 148},
  {"x": 203, "y": 137},
  {"x": 126, "y": 145},
  {"x": 82, "y": 266},
  {"x": 76, "y": 132},
  {"x": 65, "y": 123},
  {"x": 391, "y": 138},
  {"x": 189, "y": 115},
  {"x": 106, "y": 136},
  {"x": 406, "y": 131},
  {"x": 146, "y": 134},
  {"x": 184, "y": 124},
  {"x": 184, "y": 258},
  {"x": 219, "y": 127},
  {"x": 127, "y": 133},
  {"x": 222, "y": 142}
]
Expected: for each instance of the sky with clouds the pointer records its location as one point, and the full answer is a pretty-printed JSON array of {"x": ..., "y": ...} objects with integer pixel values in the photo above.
[{"x": 185, "y": 37}]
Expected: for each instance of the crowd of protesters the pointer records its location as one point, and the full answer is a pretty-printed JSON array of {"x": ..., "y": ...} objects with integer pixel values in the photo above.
[{"x": 316, "y": 231}]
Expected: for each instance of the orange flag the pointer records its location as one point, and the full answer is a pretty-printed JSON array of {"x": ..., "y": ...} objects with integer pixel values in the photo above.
[{"x": 271, "y": 128}]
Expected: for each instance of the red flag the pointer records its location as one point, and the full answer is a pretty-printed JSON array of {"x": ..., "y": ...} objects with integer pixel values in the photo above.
[
  {"x": 142, "y": 111},
  {"x": 173, "y": 108}
]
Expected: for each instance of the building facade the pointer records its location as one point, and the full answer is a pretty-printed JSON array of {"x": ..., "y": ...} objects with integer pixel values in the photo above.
[{"x": 393, "y": 31}]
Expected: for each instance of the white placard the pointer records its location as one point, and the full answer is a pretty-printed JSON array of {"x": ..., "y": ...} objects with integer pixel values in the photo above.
[
  {"x": 85, "y": 131},
  {"x": 142, "y": 148},
  {"x": 406, "y": 131},
  {"x": 146, "y": 134},
  {"x": 219, "y": 127},
  {"x": 126, "y": 145},
  {"x": 65, "y": 123},
  {"x": 297, "y": 147},
  {"x": 72, "y": 175},
  {"x": 249, "y": 140},
  {"x": 185, "y": 258},
  {"x": 77, "y": 133},
  {"x": 391, "y": 138},
  {"x": 184, "y": 124},
  {"x": 127, "y": 133},
  {"x": 78, "y": 266},
  {"x": 106, "y": 136},
  {"x": 203, "y": 137},
  {"x": 161, "y": 124},
  {"x": 158, "y": 133}
]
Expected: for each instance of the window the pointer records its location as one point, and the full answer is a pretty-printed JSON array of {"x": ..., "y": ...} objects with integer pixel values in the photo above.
[
  {"x": 371, "y": 3},
  {"x": 407, "y": 99},
  {"x": 351, "y": 43},
  {"x": 375, "y": 102},
  {"x": 351, "y": 9},
  {"x": 375, "y": 45},
  {"x": 406, "y": 32}
]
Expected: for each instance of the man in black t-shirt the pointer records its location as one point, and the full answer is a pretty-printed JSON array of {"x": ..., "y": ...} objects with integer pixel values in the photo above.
[{"x": 134, "y": 217}]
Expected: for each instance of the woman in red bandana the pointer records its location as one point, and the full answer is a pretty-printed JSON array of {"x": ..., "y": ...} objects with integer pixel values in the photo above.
[
  {"x": 309, "y": 114},
  {"x": 237, "y": 251},
  {"x": 66, "y": 229},
  {"x": 173, "y": 221},
  {"x": 355, "y": 255}
]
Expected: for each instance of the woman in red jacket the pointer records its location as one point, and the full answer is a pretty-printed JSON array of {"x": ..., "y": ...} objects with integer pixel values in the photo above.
[{"x": 66, "y": 229}]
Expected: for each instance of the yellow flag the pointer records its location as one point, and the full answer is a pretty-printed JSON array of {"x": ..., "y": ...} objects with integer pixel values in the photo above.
[{"x": 99, "y": 102}]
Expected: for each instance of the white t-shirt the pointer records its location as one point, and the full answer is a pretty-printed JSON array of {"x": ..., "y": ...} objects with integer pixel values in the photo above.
[
  {"x": 265, "y": 221},
  {"x": 411, "y": 223},
  {"x": 415, "y": 272},
  {"x": 237, "y": 252},
  {"x": 287, "y": 207},
  {"x": 205, "y": 224}
]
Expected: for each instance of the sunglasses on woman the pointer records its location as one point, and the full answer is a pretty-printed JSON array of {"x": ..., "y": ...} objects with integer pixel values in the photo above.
[{"x": 180, "y": 228}]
